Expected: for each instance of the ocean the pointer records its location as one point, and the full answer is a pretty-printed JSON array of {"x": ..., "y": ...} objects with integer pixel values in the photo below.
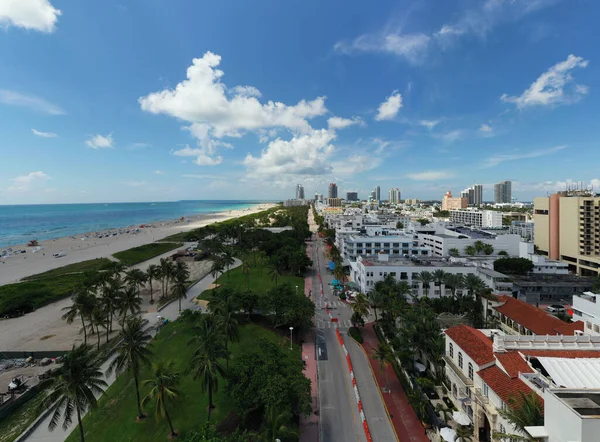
[{"x": 22, "y": 223}]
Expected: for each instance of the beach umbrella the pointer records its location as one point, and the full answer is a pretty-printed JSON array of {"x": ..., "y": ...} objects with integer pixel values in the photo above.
[
  {"x": 448, "y": 434},
  {"x": 420, "y": 367},
  {"x": 461, "y": 418}
]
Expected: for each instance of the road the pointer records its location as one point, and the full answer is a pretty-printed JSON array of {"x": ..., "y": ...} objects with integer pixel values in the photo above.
[
  {"x": 171, "y": 312},
  {"x": 339, "y": 418}
]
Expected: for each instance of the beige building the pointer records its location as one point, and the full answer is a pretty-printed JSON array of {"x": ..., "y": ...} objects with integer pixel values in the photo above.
[
  {"x": 450, "y": 203},
  {"x": 334, "y": 202},
  {"x": 567, "y": 228}
]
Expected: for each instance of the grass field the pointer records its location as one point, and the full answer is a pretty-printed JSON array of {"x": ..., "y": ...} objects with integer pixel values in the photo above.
[
  {"x": 145, "y": 252},
  {"x": 114, "y": 419},
  {"x": 44, "y": 288},
  {"x": 14, "y": 424},
  {"x": 260, "y": 281}
]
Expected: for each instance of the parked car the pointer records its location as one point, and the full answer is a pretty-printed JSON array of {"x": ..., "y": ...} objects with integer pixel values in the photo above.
[{"x": 555, "y": 308}]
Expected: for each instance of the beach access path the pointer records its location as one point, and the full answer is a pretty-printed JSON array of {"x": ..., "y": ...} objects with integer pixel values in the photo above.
[{"x": 170, "y": 312}]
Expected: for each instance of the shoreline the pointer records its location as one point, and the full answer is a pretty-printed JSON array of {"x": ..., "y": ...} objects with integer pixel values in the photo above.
[{"x": 103, "y": 243}]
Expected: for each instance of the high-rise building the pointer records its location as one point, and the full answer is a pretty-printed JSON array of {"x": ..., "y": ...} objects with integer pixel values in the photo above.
[
  {"x": 503, "y": 192},
  {"x": 378, "y": 193},
  {"x": 449, "y": 202},
  {"x": 567, "y": 227},
  {"x": 469, "y": 195},
  {"x": 373, "y": 195},
  {"x": 394, "y": 195},
  {"x": 477, "y": 194},
  {"x": 351, "y": 196},
  {"x": 299, "y": 192},
  {"x": 333, "y": 191}
]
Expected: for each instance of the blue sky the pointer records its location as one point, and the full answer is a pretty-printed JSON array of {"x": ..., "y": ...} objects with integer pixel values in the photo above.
[{"x": 164, "y": 100}]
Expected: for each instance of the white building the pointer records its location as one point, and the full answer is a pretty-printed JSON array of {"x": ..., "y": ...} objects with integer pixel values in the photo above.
[
  {"x": 541, "y": 264},
  {"x": 292, "y": 203},
  {"x": 393, "y": 245},
  {"x": 476, "y": 218},
  {"x": 394, "y": 197},
  {"x": 586, "y": 308},
  {"x": 441, "y": 239}
]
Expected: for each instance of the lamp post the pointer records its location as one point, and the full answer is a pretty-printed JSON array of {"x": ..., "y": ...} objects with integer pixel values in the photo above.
[
  {"x": 291, "y": 337},
  {"x": 296, "y": 289}
]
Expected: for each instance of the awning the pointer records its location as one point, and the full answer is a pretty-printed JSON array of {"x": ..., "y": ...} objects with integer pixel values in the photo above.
[
  {"x": 448, "y": 434},
  {"x": 573, "y": 373}
]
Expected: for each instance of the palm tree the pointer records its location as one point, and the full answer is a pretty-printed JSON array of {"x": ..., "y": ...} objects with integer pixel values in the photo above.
[
  {"x": 454, "y": 281},
  {"x": 152, "y": 273},
  {"x": 128, "y": 302},
  {"x": 246, "y": 269},
  {"x": 165, "y": 272},
  {"x": 228, "y": 260},
  {"x": 181, "y": 271},
  {"x": 453, "y": 252},
  {"x": 117, "y": 267},
  {"x": 217, "y": 268},
  {"x": 474, "y": 284},
  {"x": 135, "y": 278},
  {"x": 377, "y": 300},
  {"x": 205, "y": 362},
  {"x": 385, "y": 355},
  {"x": 425, "y": 278},
  {"x": 179, "y": 290},
  {"x": 438, "y": 277},
  {"x": 418, "y": 403},
  {"x": 525, "y": 410},
  {"x": 488, "y": 249},
  {"x": 360, "y": 306},
  {"x": 97, "y": 319},
  {"x": 464, "y": 434},
  {"x": 225, "y": 309},
  {"x": 111, "y": 294},
  {"x": 479, "y": 246},
  {"x": 276, "y": 426},
  {"x": 274, "y": 271},
  {"x": 163, "y": 388},
  {"x": 83, "y": 305},
  {"x": 74, "y": 387},
  {"x": 404, "y": 289},
  {"x": 133, "y": 353},
  {"x": 470, "y": 250}
]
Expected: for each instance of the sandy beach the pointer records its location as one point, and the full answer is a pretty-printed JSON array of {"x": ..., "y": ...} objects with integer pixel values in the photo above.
[{"x": 101, "y": 244}]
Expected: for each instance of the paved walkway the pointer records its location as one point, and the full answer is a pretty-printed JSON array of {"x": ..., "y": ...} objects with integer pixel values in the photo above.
[{"x": 406, "y": 423}]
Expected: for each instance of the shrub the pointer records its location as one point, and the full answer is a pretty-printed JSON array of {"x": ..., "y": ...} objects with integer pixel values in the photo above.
[{"x": 356, "y": 334}]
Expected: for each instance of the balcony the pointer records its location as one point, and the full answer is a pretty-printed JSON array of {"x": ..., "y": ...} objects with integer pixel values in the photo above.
[
  {"x": 489, "y": 408},
  {"x": 450, "y": 364}
]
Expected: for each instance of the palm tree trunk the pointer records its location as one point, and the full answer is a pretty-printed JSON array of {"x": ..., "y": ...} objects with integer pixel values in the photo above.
[
  {"x": 98, "y": 335},
  {"x": 170, "y": 423},
  {"x": 210, "y": 404},
  {"x": 107, "y": 329},
  {"x": 81, "y": 435},
  {"x": 137, "y": 393},
  {"x": 162, "y": 292},
  {"x": 151, "y": 299},
  {"x": 180, "y": 305},
  {"x": 84, "y": 332}
]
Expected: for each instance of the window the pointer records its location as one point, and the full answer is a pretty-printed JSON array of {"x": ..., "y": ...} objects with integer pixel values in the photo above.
[
  {"x": 502, "y": 429},
  {"x": 470, "y": 371},
  {"x": 588, "y": 324},
  {"x": 486, "y": 392},
  {"x": 596, "y": 328},
  {"x": 451, "y": 350},
  {"x": 460, "y": 359}
]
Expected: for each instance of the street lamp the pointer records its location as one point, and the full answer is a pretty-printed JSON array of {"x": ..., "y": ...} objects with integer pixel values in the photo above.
[
  {"x": 291, "y": 337},
  {"x": 296, "y": 289}
]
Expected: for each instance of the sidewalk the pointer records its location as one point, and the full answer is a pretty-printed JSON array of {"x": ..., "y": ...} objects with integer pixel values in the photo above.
[
  {"x": 407, "y": 424},
  {"x": 309, "y": 426}
]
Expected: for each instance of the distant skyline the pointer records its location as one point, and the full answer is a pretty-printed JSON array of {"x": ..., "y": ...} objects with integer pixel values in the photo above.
[{"x": 163, "y": 101}]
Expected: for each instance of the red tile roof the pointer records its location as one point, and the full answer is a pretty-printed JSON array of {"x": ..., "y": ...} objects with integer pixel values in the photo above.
[
  {"x": 513, "y": 363},
  {"x": 503, "y": 385},
  {"x": 534, "y": 319},
  {"x": 567, "y": 354},
  {"x": 474, "y": 343}
]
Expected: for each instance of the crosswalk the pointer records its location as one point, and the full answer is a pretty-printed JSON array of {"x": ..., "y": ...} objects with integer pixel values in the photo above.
[
  {"x": 322, "y": 324},
  {"x": 329, "y": 304}
]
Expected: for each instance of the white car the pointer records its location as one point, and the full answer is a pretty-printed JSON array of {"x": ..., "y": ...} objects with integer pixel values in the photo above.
[{"x": 555, "y": 308}]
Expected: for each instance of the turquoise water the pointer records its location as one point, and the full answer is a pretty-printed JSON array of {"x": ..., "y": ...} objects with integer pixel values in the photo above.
[{"x": 20, "y": 224}]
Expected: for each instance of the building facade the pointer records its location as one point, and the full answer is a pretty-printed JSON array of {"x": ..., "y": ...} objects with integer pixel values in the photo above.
[
  {"x": 334, "y": 202},
  {"x": 503, "y": 192},
  {"x": 299, "y": 192},
  {"x": 477, "y": 195},
  {"x": 394, "y": 197},
  {"x": 332, "y": 191},
  {"x": 477, "y": 218},
  {"x": 586, "y": 308},
  {"x": 377, "y": 193},
  {"x": 351, "y": 196},
  {"x": 451, "y": 203}
]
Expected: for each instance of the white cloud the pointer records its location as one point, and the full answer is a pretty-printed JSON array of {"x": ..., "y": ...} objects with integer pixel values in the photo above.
[
  {"x": 305, "y": 154},
  {"x": 202, "y": 158},
  {"x": 44, "y": 134},
  {"x": 501, "y": 158},
  {"x": 134, "y": 183},
  {"x": 549, "y": 88},
  {"x": 31, "y": 101},
  {"x": 412, "y": 47},
  {"x": 485, "y": 128},
  {"x": 159, "y": 172},
  {"x": 554, "y": 186},
  {"x": 341, "y": 123},
  {"x": 354, "y": 164},
  {"x": 30, "y": 177},
  {"x": 452, "y": 136},
  {"x": 201, "y": 177},
  {"x": 390, "y": 107},
  {"x": 430, "y": 175},
  {"x": 135, "y": 146},
  {"x": 214, "y": 111},
  {"x": 38, "y": 15},
  {"x": 100, "y": 141},
  {"x": 429, "y": 124}
]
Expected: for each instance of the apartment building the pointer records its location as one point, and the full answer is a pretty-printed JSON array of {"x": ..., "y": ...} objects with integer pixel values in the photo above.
[
  {"x": 441, "y": 240},
  {"x": 567, "y": 227},
  {"x": 477, "y": 218},
  {"x": 586, "y": 308},
  {"x": 450, "y": 203},
  {"x": 486, "y": 369},
  {"x": 393, "y": 245}
]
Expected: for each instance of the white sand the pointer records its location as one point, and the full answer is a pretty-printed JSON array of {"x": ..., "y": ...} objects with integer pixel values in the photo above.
[{"x": 18, "y": 266}]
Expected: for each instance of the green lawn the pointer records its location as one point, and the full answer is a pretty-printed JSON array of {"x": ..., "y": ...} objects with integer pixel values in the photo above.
[
  {"x": 114, "y": 419},
  {"x": 79, "y": 267},
  {"x": 145, "y": 252},
  {"x": 44, "y": 288},
  {"x": 13, "y": 425},
  {"x": 260, "y": 281}
]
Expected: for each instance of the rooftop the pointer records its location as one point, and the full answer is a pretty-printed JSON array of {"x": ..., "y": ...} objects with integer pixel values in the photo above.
[
  {"x": 407, "y": 262},
  {"x": 503, "y": 385},
  {"x": 534, "y": 319},
  {"x": 513, "y": 363},
  {"x": 573, "y": 373},
  {"x": 473, "y": 342},
  {"x": 553, "y": 280},
  {"x": 586, "y": 403}
]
